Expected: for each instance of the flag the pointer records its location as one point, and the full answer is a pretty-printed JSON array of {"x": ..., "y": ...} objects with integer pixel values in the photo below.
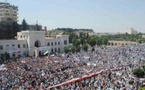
[
  {"x": 46, "y": 52},
  {"x": 17, "y": 52}
]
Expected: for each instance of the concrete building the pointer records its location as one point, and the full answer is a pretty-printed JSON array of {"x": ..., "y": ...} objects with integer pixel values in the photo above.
[
  {"x": 33, "y": 43},
  {"x": 8, "y": 12},
  {"x": 121, "y": 43},
  {"x": 143, "y": 36},
  {"x": 131, "y": 31}
]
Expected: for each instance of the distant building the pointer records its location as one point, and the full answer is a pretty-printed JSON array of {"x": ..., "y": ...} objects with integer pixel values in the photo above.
[
  {"x": 121, "y": 43},
  {"x": 33, "y": 43},
  {"x": 89, "y": 32},
  {"x": 131, "y": 31},
  {"x": 143, "y": 36},
  {"x": 8, "y": 12}
]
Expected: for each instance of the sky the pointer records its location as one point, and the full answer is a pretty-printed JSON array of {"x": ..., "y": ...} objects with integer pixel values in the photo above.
[{"x": 99, "y": 15}]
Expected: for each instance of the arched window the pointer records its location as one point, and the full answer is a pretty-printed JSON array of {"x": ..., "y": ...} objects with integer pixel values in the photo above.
[
  {"x": 37, "y": 43},
  {"x": 108, "y": 43},
  {"x": 112, "y": 44}
]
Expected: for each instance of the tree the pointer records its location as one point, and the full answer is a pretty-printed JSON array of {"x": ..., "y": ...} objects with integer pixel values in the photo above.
[
  {"x": 104, "y": 41},
  {"x": 77, "y": 49},
  {"x": 143, "y": 67},
  {"x": 85, "y": 47},
  {"x": 66, "y": 49},
  {"x": 87, "y": 35},
  {"x": 138, "y": 72},
  {"x": 76, "y": 42},
  {"x": 92, "y": 41},
  {"x": 82, "y": 40},
  {"x": 24, "y": 25},
  {"x": 15, "y": 29},
  {"x": 99, "y": 41},
  {"x": 73, "y": 49},
  {"x": 37, "y": 28}
]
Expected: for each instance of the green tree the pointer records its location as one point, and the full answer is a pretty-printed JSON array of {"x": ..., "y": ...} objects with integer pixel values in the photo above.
[
  {"x": 24, "y": 25},
  {"x": 78, "y": 48},
  {"x": 143, "y": 67},
  {"x": 82, "y": 40},
  {"x": 66, "y": 49},
  {"x": 76, "y": 42},
  {"x": 92, "y": 41},
  {"x": 104, "y": 41},
  {"x": 138, "y": 72},
  {"x": 85, "y": 47},
  {"x": 73, "y": 49},
  {"x": 99, "y": 41}
]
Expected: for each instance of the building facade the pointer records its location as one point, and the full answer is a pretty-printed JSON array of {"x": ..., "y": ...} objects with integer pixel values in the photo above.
[
  {"x": 8, "y": 12},
  {"x": 32, "y": 43},
  {"x": 121, "y": 43},
  {"x": 131, "y": 31}
]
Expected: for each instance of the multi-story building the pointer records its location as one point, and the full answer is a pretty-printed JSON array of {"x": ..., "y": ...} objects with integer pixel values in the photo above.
[
  {"x": 8, "y": 12},
  {"x": 33, "y": 43},
  {"x": 131, "y": 31}
]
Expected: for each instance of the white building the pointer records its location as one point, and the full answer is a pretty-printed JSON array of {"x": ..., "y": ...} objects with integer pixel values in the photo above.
[
  {"x": 8, "y": 12},
  {"x": 32, "y": 43},
  {"x": 131, "y": 31}
]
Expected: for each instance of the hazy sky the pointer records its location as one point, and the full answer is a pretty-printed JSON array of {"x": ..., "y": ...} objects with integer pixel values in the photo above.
[{"x": 99, "y": 15}]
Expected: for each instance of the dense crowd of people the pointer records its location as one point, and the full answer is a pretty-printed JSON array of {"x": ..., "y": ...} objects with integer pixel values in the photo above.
[{"x": 37, "y": 73}]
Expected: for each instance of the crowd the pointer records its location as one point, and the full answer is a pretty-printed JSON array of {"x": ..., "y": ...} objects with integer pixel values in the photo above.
[{"x": 37, "y": 73}]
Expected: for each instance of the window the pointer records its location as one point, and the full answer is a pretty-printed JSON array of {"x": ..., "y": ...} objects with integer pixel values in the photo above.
[
  {"x": 58, "y": 43},
  {"x": 55, "y": 50},
  {"x": 51, "y": 43},
  {"x": 65, "y": 42},
  {"x": 23, "y": 45},
  {"x": 13, "y": 45},
  {"x": 52, "y": 50},
  {"x": 7, "y": 45},
  {"x": 55, "y": 43},
  {"x": 48, "y": 44},
  {"x": 18, "y": 45},
  {"x": 58, "y": 50},
  {"x": 21, "y": 36},
  {"x": 1, "y": 47}
]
